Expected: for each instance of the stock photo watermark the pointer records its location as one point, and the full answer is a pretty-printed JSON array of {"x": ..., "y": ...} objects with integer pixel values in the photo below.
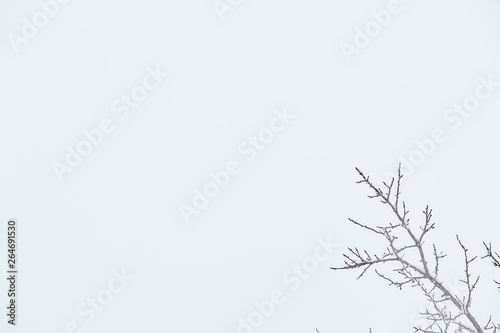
[
  {"x": 89, "y": 309},
  {"x": 292, "y": 279},
  {"x": 122, "y": 108},
  {"x": 48, "y": 10},
  {"x": 223, "y": 7},
  {"x": 454, "y": 118},
  {"x": 363, "y": 36},
  {"x": 248, "y": 150},
  {"x": 12, "y": 271}
]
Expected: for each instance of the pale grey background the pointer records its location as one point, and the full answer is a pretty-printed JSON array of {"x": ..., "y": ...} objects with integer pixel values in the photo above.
[{"x": 119, "y": 209}]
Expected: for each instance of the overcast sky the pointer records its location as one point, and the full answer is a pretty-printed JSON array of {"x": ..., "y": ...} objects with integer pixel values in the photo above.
[{"x": 176, "y": 160}]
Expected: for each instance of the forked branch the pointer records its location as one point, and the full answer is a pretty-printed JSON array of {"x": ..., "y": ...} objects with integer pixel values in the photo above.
[{"x": 449, "y": 312}]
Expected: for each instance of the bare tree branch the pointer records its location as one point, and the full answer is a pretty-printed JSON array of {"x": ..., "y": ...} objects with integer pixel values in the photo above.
[
  {"x": 449, "y": 312},
  {"x": 494, "y": 257}
]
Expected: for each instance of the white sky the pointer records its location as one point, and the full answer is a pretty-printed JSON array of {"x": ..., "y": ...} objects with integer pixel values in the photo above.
[{"x": 120, "y": 207}]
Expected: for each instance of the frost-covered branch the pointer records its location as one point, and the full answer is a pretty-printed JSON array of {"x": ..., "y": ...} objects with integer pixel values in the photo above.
[{"x": 448, "y": 312}]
